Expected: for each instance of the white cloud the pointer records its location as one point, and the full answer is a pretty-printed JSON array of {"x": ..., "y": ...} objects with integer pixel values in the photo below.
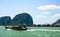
[
  {"x": 39, "y": 19},
  {"x": 48, "y": 7},
  {"x": 56, "y": 16},
  {"x": 46, "y": 13},
  {"x": 44, "y": 19},
  {"x": 41, "y": 16}
]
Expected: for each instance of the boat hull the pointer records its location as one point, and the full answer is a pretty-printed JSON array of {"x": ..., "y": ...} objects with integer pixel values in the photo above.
[{"x": 16, "y": 27}]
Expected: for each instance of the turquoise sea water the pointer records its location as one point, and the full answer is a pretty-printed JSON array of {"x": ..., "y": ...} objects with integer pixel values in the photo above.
[{"x": 31, "y": 32}]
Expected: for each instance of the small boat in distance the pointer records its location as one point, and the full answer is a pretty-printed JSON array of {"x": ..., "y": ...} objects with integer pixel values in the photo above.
[{"x": 16, "y": 27}]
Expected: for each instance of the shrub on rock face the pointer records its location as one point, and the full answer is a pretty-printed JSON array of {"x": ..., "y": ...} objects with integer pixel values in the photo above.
[
  {"x": 5, "y": 20},
  {"x": 23, "y": 18}
]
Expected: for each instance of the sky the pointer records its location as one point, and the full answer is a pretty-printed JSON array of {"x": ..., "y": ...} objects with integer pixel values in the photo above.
[{"x": 42, "y": 11}]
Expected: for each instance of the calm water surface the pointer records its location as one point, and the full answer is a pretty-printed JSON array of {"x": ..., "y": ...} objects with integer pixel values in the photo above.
[{"x": 31, "y": 32}]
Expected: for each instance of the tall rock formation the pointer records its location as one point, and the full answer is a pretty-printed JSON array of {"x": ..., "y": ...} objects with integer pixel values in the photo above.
[
  {"x": 23, "y": 18},
  {"x": 5, "y": 20}
]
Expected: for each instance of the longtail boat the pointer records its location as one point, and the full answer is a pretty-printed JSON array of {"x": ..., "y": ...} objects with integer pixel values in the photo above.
[{"x": 16, "y": 27}]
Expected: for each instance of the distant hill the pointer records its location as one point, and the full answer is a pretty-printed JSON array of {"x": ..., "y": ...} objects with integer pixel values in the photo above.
[{"x": 57, "y": 22}]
